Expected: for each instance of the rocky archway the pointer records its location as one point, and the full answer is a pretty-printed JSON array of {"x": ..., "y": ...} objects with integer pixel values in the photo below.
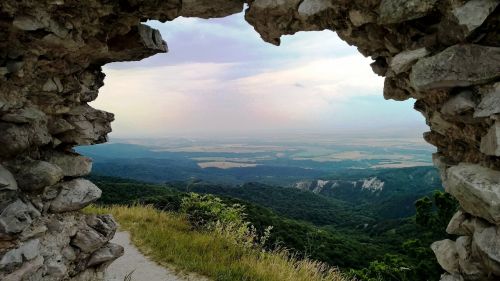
[{"x": 445, "y": 54}]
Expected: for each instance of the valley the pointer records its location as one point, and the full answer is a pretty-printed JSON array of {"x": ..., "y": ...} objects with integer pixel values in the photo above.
[{"x": 331, "y": 202}]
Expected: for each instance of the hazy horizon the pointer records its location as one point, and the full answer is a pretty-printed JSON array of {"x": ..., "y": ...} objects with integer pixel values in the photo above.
[{"x": 220, "y": 79}]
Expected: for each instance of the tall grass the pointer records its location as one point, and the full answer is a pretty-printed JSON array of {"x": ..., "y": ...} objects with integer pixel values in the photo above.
[{"x": 169, "y": 239}]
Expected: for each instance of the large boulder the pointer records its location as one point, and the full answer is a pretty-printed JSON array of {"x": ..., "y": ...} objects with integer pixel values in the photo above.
[
  {"x": 75, "y": 195},
  {"x": 477, "y": 188},
  {"x": 457, "y": 66}
]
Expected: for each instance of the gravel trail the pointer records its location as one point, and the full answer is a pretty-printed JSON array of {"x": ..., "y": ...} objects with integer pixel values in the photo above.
[{"x": 143, "y": 268}]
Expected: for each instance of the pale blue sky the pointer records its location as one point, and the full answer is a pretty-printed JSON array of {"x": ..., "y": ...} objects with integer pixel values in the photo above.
[{"x": 220, "y": 78}]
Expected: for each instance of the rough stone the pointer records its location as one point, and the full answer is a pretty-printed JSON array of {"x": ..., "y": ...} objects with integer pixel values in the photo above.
[
  {"x": 477, "y": 188},
  {"x": 25, "y": 115},
  {"x": 457, "y": 66},
  {"x": 72, "y": 165},
  {"x": 38, "y": 174},
  {"x": 449, "y": 277},
  {"x": 466, "y": 260},
  {"x": 50, "y": 68},
  {"x": 487, "y": 243},
  {"x": 490, "y": 101},
  {"x": 27, "y": 23},
  {"x": 17, "y": 216},
  {"x": 490, "y": 142},
  {"x": 473, "y": 13},
  {"x": 359, "y": 18},
  {"x": 313, "y": 7},
  {"x": 107, "y": 253},
  {"x": 88, "y": 240},
  {"x": 7, "y": 180},
  {"x": 104, "y": 224},
  {"x": 25, "y": 270},
  {"x": 459, "y": 104},
  {"x": 446, "y": 254},
  {"x": 396, "y": 11},
  {"x": 75, "y": 195},
  {"x": 403, "y": 61},
  {"x": 28, "y": 251},
  {"x": 455, "y": 224}
]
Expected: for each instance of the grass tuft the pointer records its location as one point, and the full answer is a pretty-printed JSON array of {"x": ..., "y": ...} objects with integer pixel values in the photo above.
[{"x": 169, "y": 239}]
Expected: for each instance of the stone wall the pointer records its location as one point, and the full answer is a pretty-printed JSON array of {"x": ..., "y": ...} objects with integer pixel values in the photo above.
[{"x": 443, "y": 53}]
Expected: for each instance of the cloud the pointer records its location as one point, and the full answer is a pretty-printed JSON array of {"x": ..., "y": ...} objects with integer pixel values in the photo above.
[{"x": 221, "y": 78}]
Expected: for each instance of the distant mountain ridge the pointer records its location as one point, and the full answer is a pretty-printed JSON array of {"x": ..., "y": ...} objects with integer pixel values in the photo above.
[{"x": 394, "y": 190}]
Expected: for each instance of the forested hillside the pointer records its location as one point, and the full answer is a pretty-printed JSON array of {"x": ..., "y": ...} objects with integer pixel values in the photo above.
[{"x": 334, "y": 231}]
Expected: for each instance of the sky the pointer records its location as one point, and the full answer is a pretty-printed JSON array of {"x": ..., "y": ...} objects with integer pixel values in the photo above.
[{"x": 220, "y": 79}]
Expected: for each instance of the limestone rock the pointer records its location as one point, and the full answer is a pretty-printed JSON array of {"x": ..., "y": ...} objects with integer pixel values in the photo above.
[
  {"x": 359, "y": 18},
  {"x": 72, "y": 165},
  {"x": 467, "y": 263},
  {"x": 446, "y": 254},
  {"x": 88, "y": 240},
  {"x": 457, "y": 66},
  {"x": 490, "y": 142},
  {"x": 7, "y": 181},
  {"x": 28, "y": 23},
  {"x": 38, "y": 174},
  {"x": 403, "y": 61},
  {"x": 27, "y": 268},
  {"x": 490, "y": 101},
  {"x": 104, "y": 224},
  {"x": 107, "y": 253},
  {"x": 473, "y": 13},
  {"x": 28, "y": 250},
  {"x": 17, "y": 216},
  {"x": 312, "y": 7},
  {"x": 25, "y": 115},
  {"x": 477, "y": 188},
  {"x": 459, "y": 104},
  {"x": 13, "y": 139},
  {"x": 449, "y": 277},
  {"x": 152, "y": 38},
  {"x": 75, "y": 195},
  {"x": 487, "y": 242},
  {"x": 59, "y": 125},
  {"x": 455, "y": 224},
  {"x": 210, "y": 8},
  {"x": 396, "y": 11},
  {"x": 56, "y": 268}
]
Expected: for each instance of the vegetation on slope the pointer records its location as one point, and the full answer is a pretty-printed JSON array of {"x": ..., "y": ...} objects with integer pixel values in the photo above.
[
  {"x": 383, "y": 249},
  {"x": 220, "y": 250}
]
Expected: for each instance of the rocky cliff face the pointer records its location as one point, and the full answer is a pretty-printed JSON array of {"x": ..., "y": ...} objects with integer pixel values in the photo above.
[{"x": 445, "y": 54}]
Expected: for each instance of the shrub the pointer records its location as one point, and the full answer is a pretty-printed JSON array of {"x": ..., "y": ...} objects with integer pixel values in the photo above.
[{"x": 205, "y": 211}]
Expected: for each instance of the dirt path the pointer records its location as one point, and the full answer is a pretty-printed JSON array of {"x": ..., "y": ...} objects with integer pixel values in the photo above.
[{"x": 143, "y": 268}]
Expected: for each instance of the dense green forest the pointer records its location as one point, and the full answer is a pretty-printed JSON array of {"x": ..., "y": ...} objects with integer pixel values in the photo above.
[{"x": 356, "y": 238}]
